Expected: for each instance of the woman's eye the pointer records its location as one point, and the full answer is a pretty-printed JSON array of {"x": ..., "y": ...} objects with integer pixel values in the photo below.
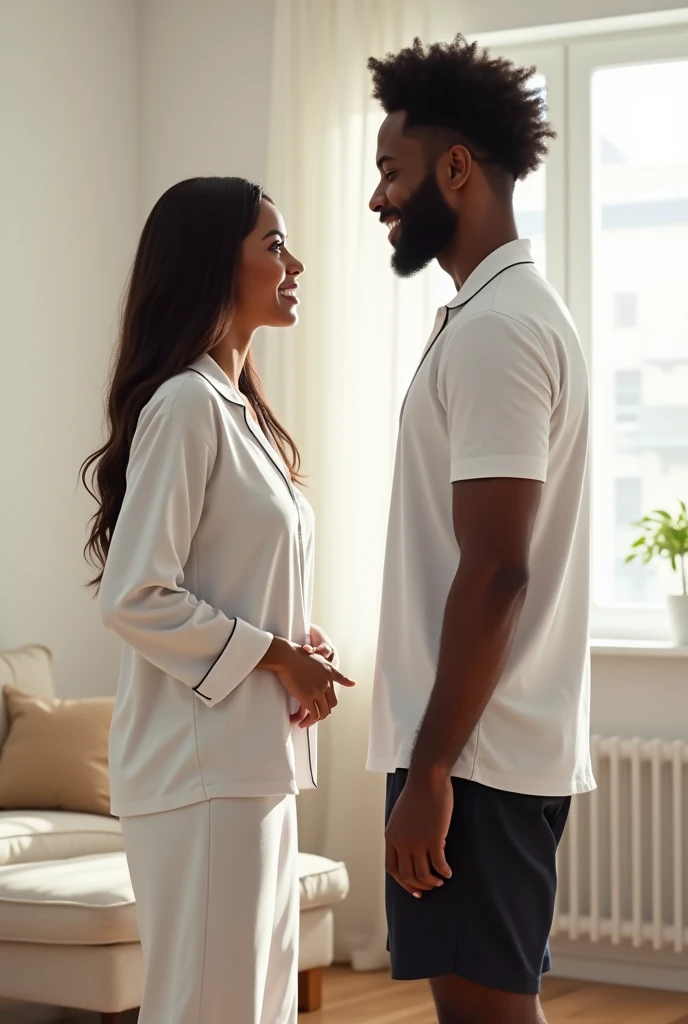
[{"x": 277, "y": 247}]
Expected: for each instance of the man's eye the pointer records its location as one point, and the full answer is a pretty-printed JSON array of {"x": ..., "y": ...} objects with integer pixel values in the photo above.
[{"x": 390, "y": 175}]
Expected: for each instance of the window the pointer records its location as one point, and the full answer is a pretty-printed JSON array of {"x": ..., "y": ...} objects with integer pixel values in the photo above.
[
  {"x": 637, "y": 218},
  {"x": 629, "y": 500},
  {"x": 530, "y": 201},
  {"x": 625, "y": 309},
  {"x": 628, "y": 389},
  {"x": 609, "y": 222}
]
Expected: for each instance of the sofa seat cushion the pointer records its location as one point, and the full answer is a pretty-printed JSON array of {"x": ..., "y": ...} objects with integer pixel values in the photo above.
[
  {"x": 53, "y": 835},
  {"x": 89, "y": 900},
  {"x": 78, "y": 901},
  {"x": 322, "y": 882}
]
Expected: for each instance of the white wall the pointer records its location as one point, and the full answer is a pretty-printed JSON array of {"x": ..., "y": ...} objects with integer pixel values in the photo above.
[
  {"x": 103, "y": 105},
  {"x": 68, "y": 125},
  {"x": 206, "y": 72}
]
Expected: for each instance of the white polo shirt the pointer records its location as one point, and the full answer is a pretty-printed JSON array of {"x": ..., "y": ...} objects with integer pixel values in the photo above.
[
  {"x": 211, "y": 556},
  {"x": 501, "y": 391}
]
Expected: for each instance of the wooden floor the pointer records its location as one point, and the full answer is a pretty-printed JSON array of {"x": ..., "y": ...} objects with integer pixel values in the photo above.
[{"x": 374, "y": 999}]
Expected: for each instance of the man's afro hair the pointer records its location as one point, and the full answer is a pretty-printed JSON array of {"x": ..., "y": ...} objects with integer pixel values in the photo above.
[{"x": 459, "y": 87}]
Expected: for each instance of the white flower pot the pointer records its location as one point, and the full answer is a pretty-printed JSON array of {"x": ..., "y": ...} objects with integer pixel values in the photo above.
[{"x": 678, "y": 613}]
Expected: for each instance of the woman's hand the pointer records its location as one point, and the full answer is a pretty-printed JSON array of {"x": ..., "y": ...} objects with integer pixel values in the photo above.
[
  {"x": 321, "y": 644},
  {"x": 307, "y": 677}
]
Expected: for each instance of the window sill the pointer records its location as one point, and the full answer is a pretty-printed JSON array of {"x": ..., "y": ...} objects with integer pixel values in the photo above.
[{"x": 637, "y": 648}]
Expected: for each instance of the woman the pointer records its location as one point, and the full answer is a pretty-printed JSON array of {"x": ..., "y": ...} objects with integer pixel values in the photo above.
[{"x": 205, "y": 555}]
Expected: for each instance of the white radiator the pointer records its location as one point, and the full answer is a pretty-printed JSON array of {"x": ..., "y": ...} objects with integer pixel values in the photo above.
[{"x": 623, "y": 861}]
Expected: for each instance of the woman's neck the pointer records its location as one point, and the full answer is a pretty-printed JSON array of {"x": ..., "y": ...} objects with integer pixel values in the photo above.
[{"x": 230, "y": 353}]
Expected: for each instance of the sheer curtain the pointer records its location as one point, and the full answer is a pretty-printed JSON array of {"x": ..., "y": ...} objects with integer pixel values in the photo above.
[{"x": 338, "y": 380}]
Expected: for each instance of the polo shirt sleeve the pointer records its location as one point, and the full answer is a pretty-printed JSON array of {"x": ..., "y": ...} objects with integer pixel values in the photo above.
[
  {"x": 146, "y": 595},
  {"x": 497, "y": 387}
]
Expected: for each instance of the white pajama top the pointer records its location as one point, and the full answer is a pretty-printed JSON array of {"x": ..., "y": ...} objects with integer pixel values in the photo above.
[{"x": 211, "y": 556}]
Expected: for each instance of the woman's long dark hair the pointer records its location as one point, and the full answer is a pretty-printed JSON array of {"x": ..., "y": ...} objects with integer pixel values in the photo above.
[{"x": 178, "y": 305}]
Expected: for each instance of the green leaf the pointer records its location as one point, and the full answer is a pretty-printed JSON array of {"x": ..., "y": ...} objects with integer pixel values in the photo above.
[{"x": 661, "y": 535}]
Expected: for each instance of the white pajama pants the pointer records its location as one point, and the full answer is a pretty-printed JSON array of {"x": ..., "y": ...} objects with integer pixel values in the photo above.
[{"x": 216, "y": 887}]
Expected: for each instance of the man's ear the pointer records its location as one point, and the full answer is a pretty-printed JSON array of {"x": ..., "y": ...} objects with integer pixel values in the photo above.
[{"x": 459, "y": 166}]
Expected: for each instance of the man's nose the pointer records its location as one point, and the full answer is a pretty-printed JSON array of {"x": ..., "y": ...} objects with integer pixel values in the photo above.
[{"x": 377, "y": 200}]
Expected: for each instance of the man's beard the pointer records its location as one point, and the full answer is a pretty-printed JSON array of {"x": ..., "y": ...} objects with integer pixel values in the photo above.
[{"x": 427, "y": 226}]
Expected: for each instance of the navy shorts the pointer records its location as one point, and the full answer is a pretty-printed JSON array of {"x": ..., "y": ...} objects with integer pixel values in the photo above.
[{"x": 490, "y": 922}]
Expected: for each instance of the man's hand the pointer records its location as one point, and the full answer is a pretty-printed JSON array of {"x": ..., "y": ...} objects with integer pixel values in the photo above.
[{"x": 416, "y": 834}]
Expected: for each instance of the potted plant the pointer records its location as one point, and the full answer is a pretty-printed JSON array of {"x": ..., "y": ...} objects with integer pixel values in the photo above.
[{"x": 663, "y": 534}]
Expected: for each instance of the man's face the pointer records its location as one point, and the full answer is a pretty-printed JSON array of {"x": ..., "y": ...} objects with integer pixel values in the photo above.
[{"x": 409, "y": 200}]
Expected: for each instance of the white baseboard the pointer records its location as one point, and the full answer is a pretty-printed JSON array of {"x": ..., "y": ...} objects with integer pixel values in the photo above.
[{"x": 620, "y": 965}]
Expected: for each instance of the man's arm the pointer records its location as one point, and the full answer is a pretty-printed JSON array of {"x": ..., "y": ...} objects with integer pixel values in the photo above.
[
  {"x": 498, "y": 388},
  {"x": 493, "y": 523}
]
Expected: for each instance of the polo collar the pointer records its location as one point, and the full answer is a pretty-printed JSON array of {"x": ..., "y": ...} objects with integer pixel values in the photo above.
[
  {"x": 510, "y": 255},
  {"x": 215, "y": 375}
]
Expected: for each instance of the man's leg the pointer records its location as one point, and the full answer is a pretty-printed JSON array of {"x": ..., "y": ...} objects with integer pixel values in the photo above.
[
  {"x": 462, "y": 1002},
  {"x": 481, "y": 939}
]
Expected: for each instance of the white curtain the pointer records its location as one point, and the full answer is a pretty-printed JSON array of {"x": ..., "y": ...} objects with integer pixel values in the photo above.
[{"x": 338, "y": 380}]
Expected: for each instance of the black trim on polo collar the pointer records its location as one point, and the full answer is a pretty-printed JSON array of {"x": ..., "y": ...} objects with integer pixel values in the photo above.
[
  {"x": 446, "y": 321},
  {"x": 519, "y": 263}
]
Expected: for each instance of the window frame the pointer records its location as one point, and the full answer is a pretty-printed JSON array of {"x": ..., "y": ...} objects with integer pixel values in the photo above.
[
  {"x": 584, "y": 58},
  {"x": 550, "y": 61}
]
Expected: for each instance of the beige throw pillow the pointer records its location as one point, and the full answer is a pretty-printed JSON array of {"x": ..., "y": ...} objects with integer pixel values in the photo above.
[
  {"x": 55, "y": 756},
  {"x": 26, "y": 668}
]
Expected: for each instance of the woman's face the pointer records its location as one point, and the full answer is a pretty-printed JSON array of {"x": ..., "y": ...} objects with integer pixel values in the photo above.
[{"x": 266, "y": 289}]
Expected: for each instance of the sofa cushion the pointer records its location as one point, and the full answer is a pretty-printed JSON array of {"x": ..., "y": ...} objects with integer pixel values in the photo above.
[
  {"x": 55, "y": 756},
  {"x": 78, "y": 901},
  {"x": 29, "y": 669},
  {"x": 322, "y": 882},
  {"x": 53, "y": 835},
  {"x": 89, "y": 900}
]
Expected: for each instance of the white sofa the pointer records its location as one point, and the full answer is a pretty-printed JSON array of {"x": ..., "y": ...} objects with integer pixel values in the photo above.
[{"x": 68, "y": 933}]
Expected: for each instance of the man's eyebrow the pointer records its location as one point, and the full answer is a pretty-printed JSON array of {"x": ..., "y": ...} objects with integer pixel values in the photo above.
[
  {"x": 383, "y": 160},
  {"x": 275, "y": 232}
]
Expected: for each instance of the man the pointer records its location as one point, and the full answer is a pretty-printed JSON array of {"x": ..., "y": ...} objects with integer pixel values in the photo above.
[{"x": 480, "y": 710}]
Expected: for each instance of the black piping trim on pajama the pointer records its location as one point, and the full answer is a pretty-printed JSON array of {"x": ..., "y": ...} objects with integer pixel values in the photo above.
[{"x": 197, "y": 688}]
